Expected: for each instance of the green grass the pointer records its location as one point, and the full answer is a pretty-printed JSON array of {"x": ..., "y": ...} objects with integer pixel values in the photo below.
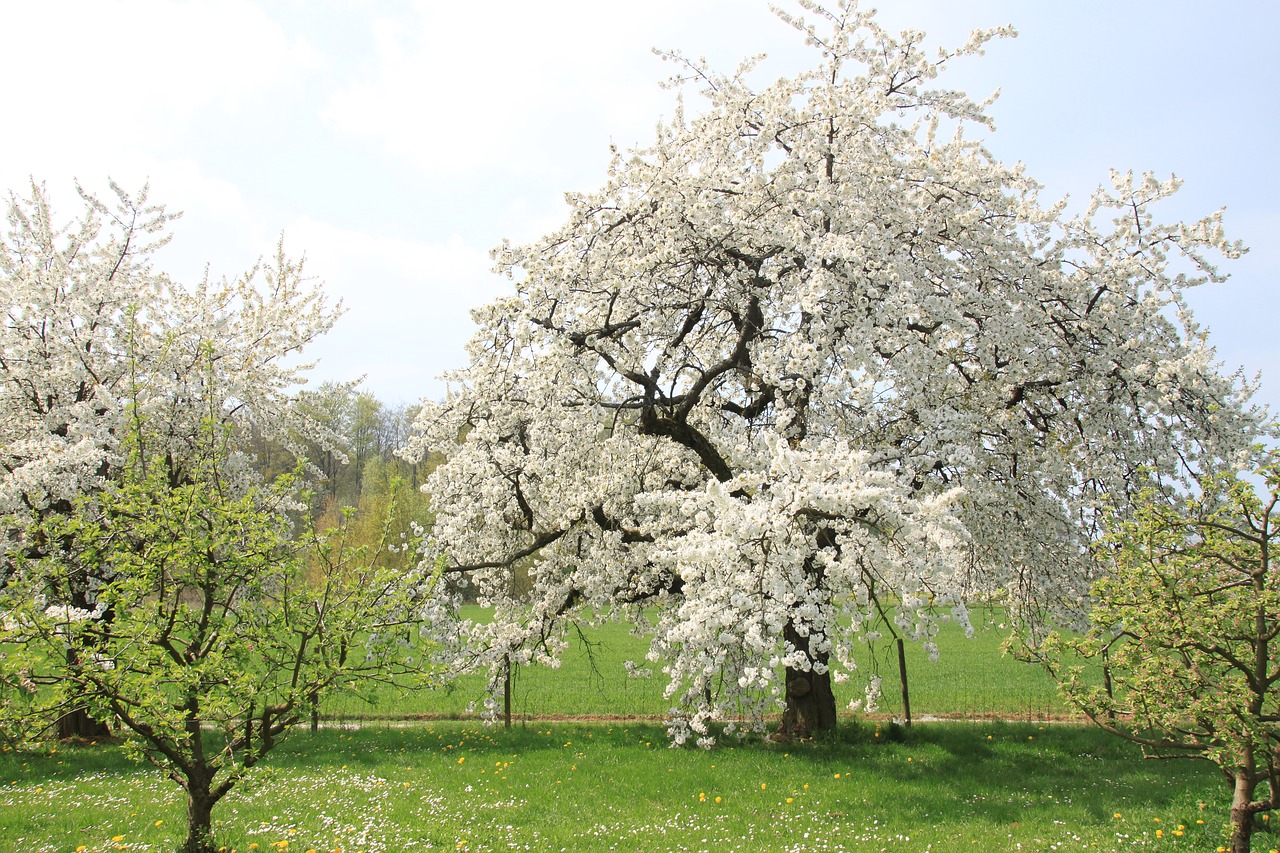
[
  {"x": 971, "y": 679},
  {"x": 615, "y": 786}
]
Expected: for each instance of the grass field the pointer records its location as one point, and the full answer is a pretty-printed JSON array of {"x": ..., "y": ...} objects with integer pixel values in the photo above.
[
  {"x": 971, "y": 679},
  {"x": 363, "y": 783},
  {"x": 946, "y": 786}
]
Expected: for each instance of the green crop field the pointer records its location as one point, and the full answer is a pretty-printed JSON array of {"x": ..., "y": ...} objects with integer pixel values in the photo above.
[{"x": 971, "y": 679}]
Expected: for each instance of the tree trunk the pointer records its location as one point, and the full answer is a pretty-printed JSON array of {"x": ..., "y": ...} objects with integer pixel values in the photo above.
[
  {"x": 811, "y": 704},
  {"x": 76, "y": 724},
  {"x": 1241, "y": 814},
  {"x": 199, "y": 818}
]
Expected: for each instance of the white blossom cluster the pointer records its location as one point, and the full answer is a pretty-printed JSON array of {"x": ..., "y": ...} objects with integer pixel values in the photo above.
[
  {"x": 96, "y": 344},
  {"x": 813, "y": 368}
]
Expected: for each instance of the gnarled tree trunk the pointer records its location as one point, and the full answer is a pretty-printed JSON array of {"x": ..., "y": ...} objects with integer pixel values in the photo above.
[
  {"x": 1242, "y": 811},
  {"x": 811, "y": 704},
  {"x": 77, "y": 724},
  {"x": 200, "y": 804}
]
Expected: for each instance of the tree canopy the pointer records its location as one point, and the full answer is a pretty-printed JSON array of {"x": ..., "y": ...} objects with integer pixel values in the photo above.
[
  {"x": 153, "y": 577},
  {"x": 93, "y": 335},
  {"x": 813, "y": 366},
  {"x": 97, "y": 349},
  {"x": 1184, "y": 629}
]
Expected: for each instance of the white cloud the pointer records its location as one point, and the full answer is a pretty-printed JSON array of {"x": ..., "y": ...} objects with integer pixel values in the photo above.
[
  {"x": 513, "y": 87},
  {"x": 408, "y": 305},
  {"x": 92, "y": 84},
  {"x": 360, "y": 261}
]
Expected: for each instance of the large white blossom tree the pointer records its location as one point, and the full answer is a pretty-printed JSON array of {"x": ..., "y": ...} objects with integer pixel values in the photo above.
[
  {"x": 95, "y": 344},
  {"x": 813, "y": 366}
]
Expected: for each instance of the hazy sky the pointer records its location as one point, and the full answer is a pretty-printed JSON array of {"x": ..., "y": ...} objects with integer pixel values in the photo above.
[{"x": 395, "y": 143}]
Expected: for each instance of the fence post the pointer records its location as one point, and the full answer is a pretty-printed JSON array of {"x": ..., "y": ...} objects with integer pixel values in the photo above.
[
  {"x": 902, "y": 677},
  {"x": 506, "y": 692}
]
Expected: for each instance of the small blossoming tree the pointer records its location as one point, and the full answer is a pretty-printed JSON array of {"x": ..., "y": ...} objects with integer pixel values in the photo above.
[
  {"x": 224, "y": 628},
  {"x": 94, "y": 340},
  {"x": 149, "y": 575},
  {"x": 1184, "y": 627},
  {"x": 814, "y": 360}
]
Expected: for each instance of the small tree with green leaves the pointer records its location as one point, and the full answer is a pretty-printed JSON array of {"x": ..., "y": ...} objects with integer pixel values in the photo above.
[
  {"x": 1184, "y": 631},
  {"x": 225, "y": 628}
]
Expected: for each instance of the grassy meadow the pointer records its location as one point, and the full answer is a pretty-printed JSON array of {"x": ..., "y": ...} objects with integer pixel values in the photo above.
[
  {"x": 365, "y": 783},
  {"x": 450, "y": 785}
]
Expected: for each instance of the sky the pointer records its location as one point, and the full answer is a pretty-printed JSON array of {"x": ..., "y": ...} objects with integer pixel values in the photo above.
[{"x": 394, "y": 143}]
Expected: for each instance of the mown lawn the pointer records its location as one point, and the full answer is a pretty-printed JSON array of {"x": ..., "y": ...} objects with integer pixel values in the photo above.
[{"x": 943, "y": 786}]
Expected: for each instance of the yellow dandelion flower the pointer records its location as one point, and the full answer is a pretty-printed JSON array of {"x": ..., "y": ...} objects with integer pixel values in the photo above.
[
  {"x": 717, "y": 799},
  {"x": 159, "y": 823},
  {"x": 791, "y": 799},
  {"x": 117, "y": 838},
  {"x": 763, "y": 786}
]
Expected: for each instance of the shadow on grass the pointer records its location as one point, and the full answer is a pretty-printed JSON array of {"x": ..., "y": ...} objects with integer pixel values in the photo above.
[
  {"x": 935, "y": 774},
  {"x": 1009, "y": 766}
]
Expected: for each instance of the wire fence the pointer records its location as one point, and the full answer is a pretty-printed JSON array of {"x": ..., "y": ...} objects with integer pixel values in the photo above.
[{"x": 971, "y": 679}]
